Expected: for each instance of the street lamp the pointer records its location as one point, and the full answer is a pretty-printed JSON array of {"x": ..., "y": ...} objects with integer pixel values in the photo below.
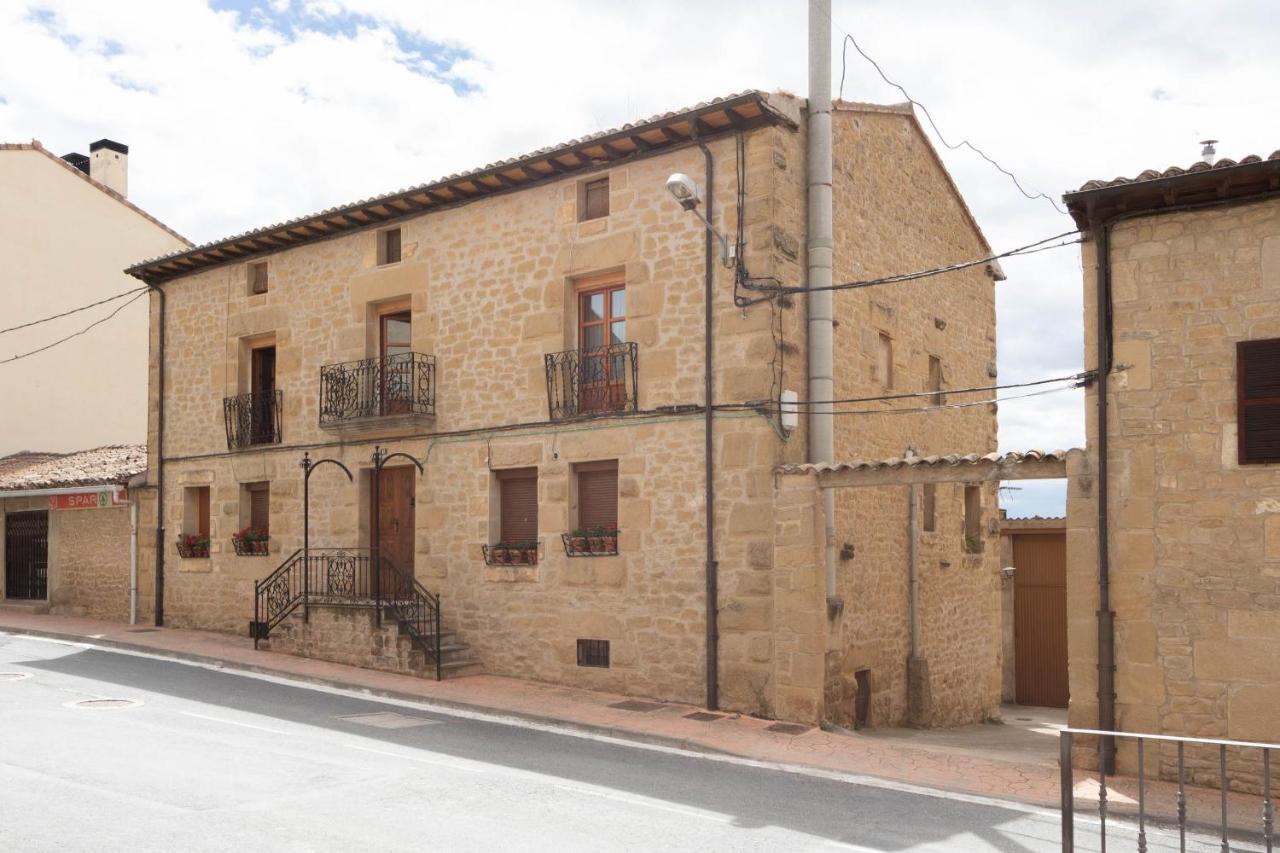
[{"x": 685, "y": 191}]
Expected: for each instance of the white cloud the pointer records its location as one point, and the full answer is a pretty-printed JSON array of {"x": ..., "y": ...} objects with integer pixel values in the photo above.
[{"x": 235, "y": 120}]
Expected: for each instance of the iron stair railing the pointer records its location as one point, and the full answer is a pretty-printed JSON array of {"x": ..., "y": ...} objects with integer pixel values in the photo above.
[{"x": 344, "y": 577}]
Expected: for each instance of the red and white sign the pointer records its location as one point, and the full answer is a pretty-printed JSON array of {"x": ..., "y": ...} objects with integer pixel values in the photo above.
[{"x": 105, "y": 497}]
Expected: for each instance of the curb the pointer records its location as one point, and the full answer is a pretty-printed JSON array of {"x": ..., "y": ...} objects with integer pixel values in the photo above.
[{"x": 381, "y": 693}]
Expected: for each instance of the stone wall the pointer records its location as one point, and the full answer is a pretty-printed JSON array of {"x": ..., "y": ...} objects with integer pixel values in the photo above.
[
  {"x": 893, "y": 220},
  {"x": 1195, "y": 537}
]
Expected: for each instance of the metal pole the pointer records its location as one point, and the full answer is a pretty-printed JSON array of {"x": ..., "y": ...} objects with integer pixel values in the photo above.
[
  {"x": 375, "y": 525},
  {"x": 819, "y": 249},
  {"x": 306, "y": 537},
  {"x": 1067, "y": 793}
]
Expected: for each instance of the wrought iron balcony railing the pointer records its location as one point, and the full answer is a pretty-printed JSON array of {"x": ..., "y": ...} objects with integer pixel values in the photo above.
[
  {"x": 253, "y": 419},
  {"x": 592, "y": 382},
  {"x": 402, "y": 384}
]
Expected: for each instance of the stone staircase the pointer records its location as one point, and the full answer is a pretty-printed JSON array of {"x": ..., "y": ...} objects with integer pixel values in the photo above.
[{"x": 346, "y": 634}]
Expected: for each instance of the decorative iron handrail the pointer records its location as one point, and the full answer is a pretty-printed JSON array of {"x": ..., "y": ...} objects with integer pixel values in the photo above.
[
  {"x": 416, "y": 609},
  {"x": 592, "y": 382},
  {"x": 344, "y": 576},
  {"x": 511, "y": 554},
  {"x": 1241, "y": 749},
  {"x": 253, "y": 419},
  {"x": 580, "y": 544},
  {"x": 402, "y": 384}
]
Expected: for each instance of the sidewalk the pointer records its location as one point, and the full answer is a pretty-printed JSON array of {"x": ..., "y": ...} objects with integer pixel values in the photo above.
[{"x": 925, "y": 759}]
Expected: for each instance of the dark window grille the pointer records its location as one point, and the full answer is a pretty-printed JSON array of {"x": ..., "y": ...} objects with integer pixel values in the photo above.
[
  {"x": 1258, "y": 401},
  {"x": 592, "y": 382},
  {"x": 400, "y": 384},
  {"x": 593, "y": 653},
  {"x": 26, "y": 555},
  {"x": 253, "y": 419}
]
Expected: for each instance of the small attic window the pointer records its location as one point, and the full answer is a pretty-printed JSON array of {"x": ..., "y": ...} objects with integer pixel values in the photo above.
[
  {"x": 593, "y": 202},
  {"x": 257, "y": 276},
  {"x": 389, "y": 246}
]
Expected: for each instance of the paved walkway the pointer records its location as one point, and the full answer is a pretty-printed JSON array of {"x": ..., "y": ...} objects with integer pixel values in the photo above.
[{"x": 995, "y": 761}]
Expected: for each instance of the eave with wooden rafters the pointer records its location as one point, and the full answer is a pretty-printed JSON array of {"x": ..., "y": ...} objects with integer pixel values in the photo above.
[{"x": 654, "y": 136}]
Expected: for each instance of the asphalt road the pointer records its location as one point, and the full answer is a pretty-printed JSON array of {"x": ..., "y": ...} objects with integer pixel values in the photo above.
[{"x": 217, "y": 760}]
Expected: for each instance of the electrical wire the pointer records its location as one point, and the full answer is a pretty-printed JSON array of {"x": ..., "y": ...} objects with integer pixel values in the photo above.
[
  {"x": 964, "y": 143},
  {"x": 75, "y": 310},
  {"x": 777, "y": 407},
  {"x": 1084, "y": 377},
  {"x": 1029, "y": 249},
  {"x": 97, "y": 322}
]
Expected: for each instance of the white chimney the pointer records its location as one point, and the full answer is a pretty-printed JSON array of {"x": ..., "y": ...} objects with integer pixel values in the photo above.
[
  {"x": 109, "y": 165},
  {"x": 1208, "y": 153}
]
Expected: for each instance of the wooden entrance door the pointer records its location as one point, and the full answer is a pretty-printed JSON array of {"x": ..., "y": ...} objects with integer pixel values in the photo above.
[
  {"x": 26, "y": 555},
  {"x": 395, "y": 534},
  {"x": 1040, "y": 618}
]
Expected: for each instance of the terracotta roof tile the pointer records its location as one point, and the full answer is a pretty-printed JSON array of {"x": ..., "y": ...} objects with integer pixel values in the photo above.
[
  {"x": 1176, "y": 171},
  {"x": 113, "y": 464},
  {"x": 926, "y": 461}
]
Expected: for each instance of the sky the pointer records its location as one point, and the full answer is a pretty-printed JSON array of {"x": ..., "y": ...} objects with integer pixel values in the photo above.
[{"x": 240, "y": 113}]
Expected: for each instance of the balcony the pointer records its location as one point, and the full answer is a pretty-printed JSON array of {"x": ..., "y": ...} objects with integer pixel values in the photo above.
[
  {"x": 393, "y": 390},
  {"x": 253, "y": 419},
  {"x": 592, "y": 382}
]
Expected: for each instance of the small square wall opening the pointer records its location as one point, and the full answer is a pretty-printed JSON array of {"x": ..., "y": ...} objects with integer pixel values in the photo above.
[{"x": 593, "y": 653}]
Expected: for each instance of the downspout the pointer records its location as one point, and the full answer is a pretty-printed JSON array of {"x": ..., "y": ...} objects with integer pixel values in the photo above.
[
  {"x": 159, "y": 590},
  {"x": 1106, "y": 617},
  {"x": 708, "y": 449},
  {"x": 133, "y": 561},
  {"x": 818, "y": 259}
]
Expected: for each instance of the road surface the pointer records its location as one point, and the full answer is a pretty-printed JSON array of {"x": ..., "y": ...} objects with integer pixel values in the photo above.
[{"x": 199, "y": 759}]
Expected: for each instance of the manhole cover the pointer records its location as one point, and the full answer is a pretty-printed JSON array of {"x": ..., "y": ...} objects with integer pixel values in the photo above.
[
  {"x": 637, "y": 705},
  {"x": 386, "y": 720},
  {"x": 103, "y": 703},
  {"x": 704, "y": 716},
  {"x": 787, "y": 728},
  {"x": 14, "y": 676}
]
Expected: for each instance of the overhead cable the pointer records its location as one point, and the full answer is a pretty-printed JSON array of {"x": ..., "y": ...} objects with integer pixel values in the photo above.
[
  {"x": 75, "y": 310},
  {"x": 97, "y": 322}
]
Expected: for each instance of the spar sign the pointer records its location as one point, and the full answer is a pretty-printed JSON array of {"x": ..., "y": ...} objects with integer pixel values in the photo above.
[{"x": 113, "y": 496}]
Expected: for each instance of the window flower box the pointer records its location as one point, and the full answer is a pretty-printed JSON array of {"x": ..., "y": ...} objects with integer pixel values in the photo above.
[
  {"x": 511, "y": 554},
  {"x": 251, "y": 542},
  {"x": 193, "y": 546},
  {"x": 595, "y": 542}
]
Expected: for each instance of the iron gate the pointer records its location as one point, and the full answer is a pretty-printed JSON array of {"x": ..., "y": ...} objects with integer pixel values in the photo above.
[{"x": 26, "y": 555}]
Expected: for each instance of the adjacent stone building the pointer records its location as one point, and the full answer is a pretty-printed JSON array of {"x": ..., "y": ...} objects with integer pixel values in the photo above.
[
  {"x": 1186, "y": 266},
  {"x": 532, "y": 335},
  {"x": 69, "y": 522}
]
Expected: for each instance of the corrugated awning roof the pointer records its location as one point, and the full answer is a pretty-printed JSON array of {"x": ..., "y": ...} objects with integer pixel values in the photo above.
[
  {"x": 742, "y": 111},
  {"x": 114, "y": 464},
  {"x": 1225, "y": 179}
]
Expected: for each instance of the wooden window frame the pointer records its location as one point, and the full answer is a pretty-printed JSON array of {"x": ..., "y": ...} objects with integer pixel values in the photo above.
[
  {"x": 610, "y": 393},
  {"x": 396, "y": 378},
  {"x": 1244, "y": 403},
  {"x": 589, "y": 189},
  {"x": 384, "y": 246},
  {"x": 251, "y": 490},
  {"x": 258, "y": 285},
  {"x": 589, "y": 468}
]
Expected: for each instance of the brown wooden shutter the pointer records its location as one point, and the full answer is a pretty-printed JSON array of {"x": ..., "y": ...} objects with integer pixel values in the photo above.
[
  {"x": 258, "y": 273},
  {"x": 598, "y": 496},
  {"x": 1258, "y": 401},
  {"x": 202, "y": 510},
  {"x": 519, "y": 505},
  {"x": 260, "y": 507}
]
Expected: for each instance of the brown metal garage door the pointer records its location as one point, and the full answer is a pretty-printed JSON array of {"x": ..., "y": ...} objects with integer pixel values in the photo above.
[
  {"x": 1040, "y": 618},
  {"x": 26, "y": 555}
]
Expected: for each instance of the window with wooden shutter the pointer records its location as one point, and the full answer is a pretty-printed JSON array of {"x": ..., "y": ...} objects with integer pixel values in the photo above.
[
  {"x": 1258, "y": 401},
  {"x": 200, "y": 524},
  {"x": 389, "y": 246},
  {"x": 598, "y": 495},
  {"x": 518, "y": 505},
  {"x": 259, "y": 506},
  {"x": 258, "y": 278},
  {"x": 593, "y": 203}
]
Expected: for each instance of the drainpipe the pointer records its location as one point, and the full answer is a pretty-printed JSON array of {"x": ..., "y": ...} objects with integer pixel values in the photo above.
[
  {"x": 133, "y": 561},
  {"x": 708, "y": 449},
  {"x": 159, "y": 591},
  {"x": 913, "y": 565},
  {"x": 1106, "y": 617},
  {"x": 818, "y": 257}
]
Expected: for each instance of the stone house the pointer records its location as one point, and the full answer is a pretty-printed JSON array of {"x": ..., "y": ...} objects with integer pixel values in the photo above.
[
  {"x": 70, "y": 522},
  {"x": 1183, "y": 456},
  {"x": 67, "y": 228},
  {"x": 532, "y": 334}
]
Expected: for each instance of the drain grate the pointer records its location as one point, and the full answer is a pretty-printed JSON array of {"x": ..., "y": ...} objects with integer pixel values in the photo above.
[
  {"x": 104, "y": 703},
  {"x": 637, "y": 705},
  {"x": 787, "y": 728},
  {"x": 14, "y": 676},
  {"x": 387, "y": 720},
  {"x": 704, "y": 716}
]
